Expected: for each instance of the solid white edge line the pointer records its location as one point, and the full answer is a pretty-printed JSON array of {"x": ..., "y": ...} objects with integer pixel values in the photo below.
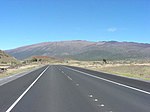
[
  {"x": 17, "y": 76},
  {"x": 15, "y": 103},
  {"x": 140, "y": 90},
  {"x": 69, "y": 78}
]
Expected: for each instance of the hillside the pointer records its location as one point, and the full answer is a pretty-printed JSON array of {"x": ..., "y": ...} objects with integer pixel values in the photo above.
[
  {"x": 5, "y": 58},
  {"x": 85, "y": 50},
  {"x": 53, "y": 49}
]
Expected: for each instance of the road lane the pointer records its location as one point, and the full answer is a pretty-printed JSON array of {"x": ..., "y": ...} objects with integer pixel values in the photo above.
[
  {"x": 10, "y": 91},
  {"x": 54, "y": 92},
  {"x": 61, "y": 89},
  {"x": 23, "y": 94},
  {"x": 15, "y": 76},
  {"x": 115, "y": 98},
  {"x": 123, "y": 80}
]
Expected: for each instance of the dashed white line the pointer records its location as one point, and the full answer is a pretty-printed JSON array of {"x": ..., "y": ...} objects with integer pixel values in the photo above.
[
  {"x": 14, "y": 104},
  {"x": 123, "y": 85},
  {"x": 90, "y": 96},
  {"x": 95, "y": 100},
  {"x": 66, "y": 75},
  {"x": 77, "y": 84},
  {"x": 69, "y": 78},
  {"x": 102, "y": 105}
]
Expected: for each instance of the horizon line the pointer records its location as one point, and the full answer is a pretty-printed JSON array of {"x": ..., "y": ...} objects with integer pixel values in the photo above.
[{"x": 72, "y": 40}]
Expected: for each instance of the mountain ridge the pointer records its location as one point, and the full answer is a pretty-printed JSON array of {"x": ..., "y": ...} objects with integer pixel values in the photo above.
[{"x": 85, "y": 50}]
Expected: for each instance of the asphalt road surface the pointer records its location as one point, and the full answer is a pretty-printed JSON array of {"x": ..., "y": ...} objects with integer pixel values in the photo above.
[{"x": 57, "y": 88}]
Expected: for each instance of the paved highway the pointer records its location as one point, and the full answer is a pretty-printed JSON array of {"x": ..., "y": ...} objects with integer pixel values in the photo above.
[{"x": 60, "y": 88}]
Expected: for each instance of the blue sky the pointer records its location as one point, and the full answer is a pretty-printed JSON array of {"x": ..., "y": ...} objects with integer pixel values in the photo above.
[{"x": 24, "y": 22}]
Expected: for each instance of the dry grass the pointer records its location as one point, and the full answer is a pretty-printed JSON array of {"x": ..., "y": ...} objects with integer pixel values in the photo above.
[
  {"x": 133, "y": 70},
  {"x": 18, "y": 70}
]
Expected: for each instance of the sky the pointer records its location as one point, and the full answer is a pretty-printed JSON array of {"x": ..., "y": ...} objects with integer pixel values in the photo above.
[{"x": 25, "y": 22}]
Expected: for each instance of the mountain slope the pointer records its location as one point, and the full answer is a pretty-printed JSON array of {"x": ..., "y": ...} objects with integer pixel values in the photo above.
[
  {"x": 85, "y": 50},
  {"x": 5, "y": 58},
  {"x": 54, "y": 49},
  {"x": 115, "y": 51}
]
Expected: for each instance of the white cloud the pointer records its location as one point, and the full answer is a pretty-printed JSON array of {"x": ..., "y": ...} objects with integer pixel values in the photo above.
[{"x": 113, "y": 29}]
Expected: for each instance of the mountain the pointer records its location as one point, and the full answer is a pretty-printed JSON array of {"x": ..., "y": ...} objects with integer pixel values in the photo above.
[
  {"x": 5, "y": 58},
  {"x": 53, "y": 49},
  {"x": 85, "y": 50}
]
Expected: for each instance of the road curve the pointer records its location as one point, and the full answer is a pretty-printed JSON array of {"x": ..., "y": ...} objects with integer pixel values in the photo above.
[{"x": 60, "y": 88}]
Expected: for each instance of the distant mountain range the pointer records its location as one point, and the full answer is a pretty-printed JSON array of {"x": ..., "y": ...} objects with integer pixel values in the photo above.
[{"x": 85, "y": 50}]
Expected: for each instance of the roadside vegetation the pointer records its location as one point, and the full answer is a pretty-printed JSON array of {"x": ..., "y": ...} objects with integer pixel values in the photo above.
[
  {"x": 134, "y": 69},
  {"x": 17, "y": 70},
  {"x": 12, "y": 67}
]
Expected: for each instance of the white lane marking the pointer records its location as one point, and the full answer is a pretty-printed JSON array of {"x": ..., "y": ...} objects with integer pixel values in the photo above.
[
  {"x": 66, "y": 75},
  {"x": 77, "y": 84},
  {"x": 95, "y": 100},
  {"x": 62, "y": 72},
  {"x": 102, "y": 105},
  {"x": 15, "y": 103},
  {"x": 90, "y": 96},
  {"x": 69, "y": 78},
  {"x": 14, "y": 77},
  {"x": 130, "y": 87}
]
